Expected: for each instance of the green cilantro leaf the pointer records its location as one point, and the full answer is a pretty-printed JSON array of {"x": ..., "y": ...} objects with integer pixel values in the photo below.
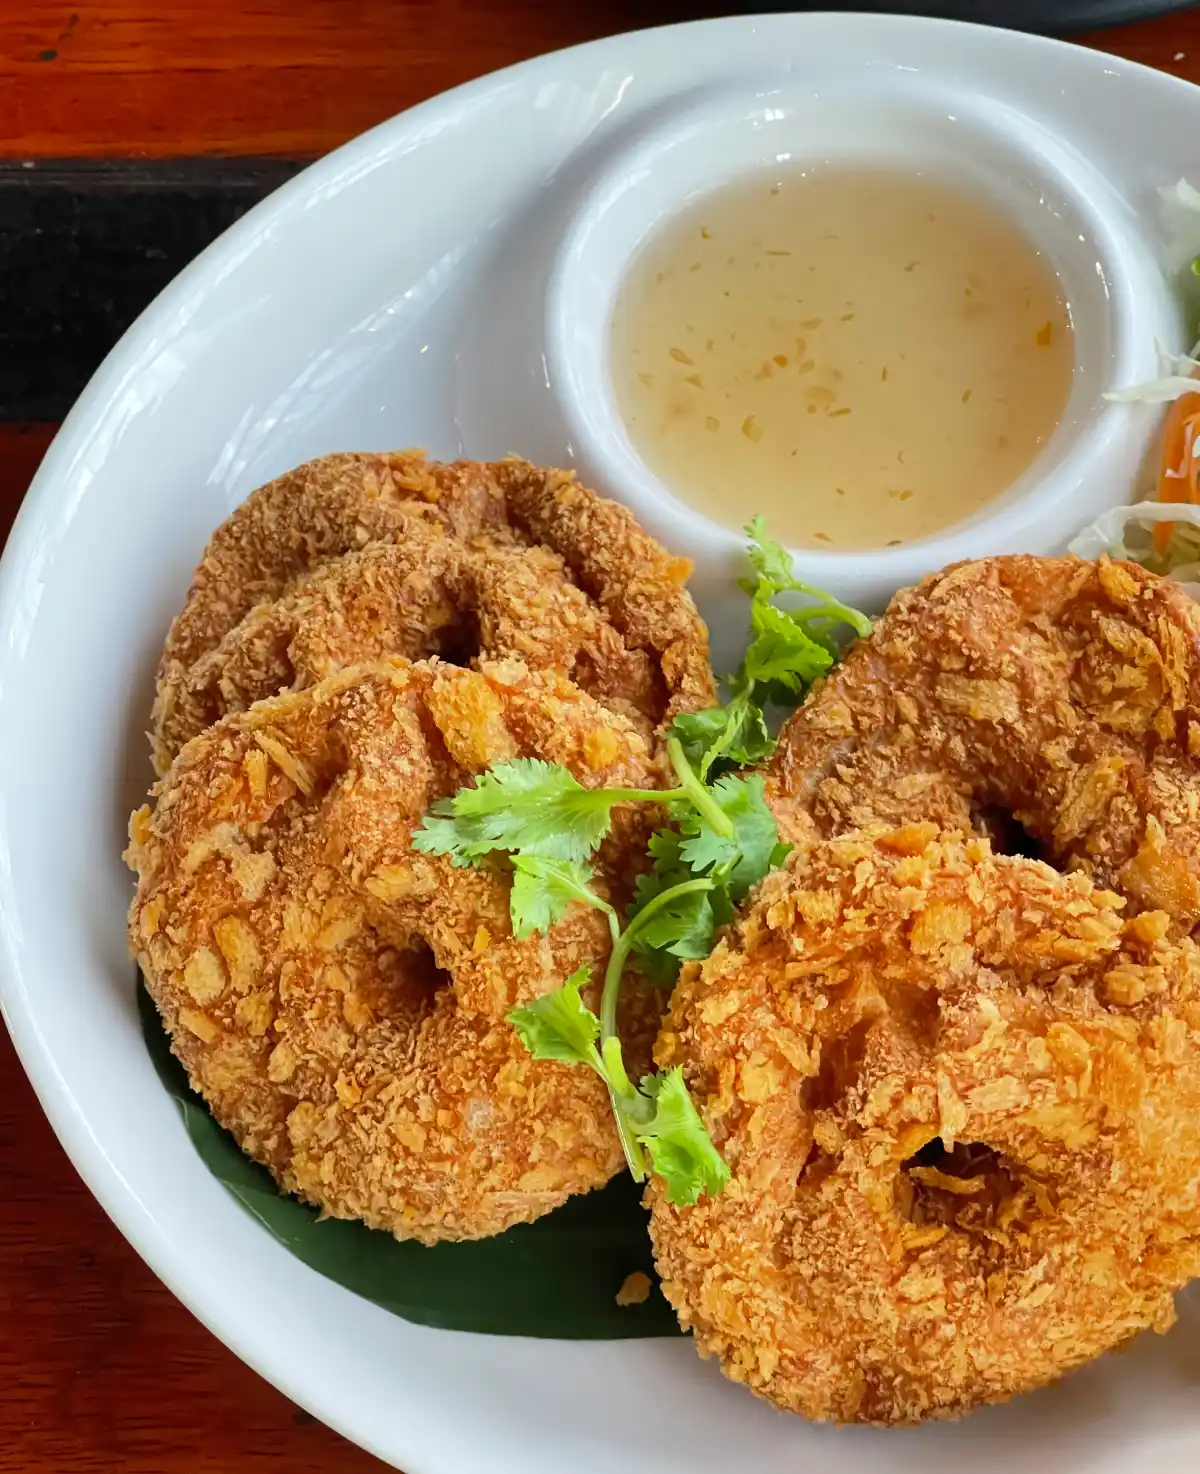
[
  {"x": 747, "y": 738},
  {"x": 669, "y": 868},
  {"x": 526, "y": 804},
  {"x": 439, "y": 833},
  {"x": 770, "y": 560},
  {"x": 543, "y": 889},
  {"x": 682, "y": 927},
  {"x": 688, "y": 922},
  {"x": 659, "y": 967},
  {"x": 685, "y": 925},
  {"x": 681, "y": 1150},
  {"x": 789, "y": 649},
  {"x": 700, "y": 731},
  {"x": 773, "y": 564},
  {"x": 560, "y": 1026},
  {"x": 734, "y": 733},
  {"x": 781, "y": 653},
  {"x": 754, "y": 848}
]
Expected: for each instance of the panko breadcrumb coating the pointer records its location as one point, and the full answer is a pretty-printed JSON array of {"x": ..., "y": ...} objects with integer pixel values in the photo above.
[
  {"x": 960, "y": 1098},
  {"x": 357, "y": 557},
  {"x": 1055, "y": 695},
  {"x": 341, "y": 1000}
]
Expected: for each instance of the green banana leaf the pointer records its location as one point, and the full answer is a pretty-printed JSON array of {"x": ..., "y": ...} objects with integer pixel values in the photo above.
[{"x": 556, "y": 1278}]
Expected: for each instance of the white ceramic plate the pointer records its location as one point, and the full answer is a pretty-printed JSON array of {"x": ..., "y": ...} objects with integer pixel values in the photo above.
[{"x": 391, "y": 295}]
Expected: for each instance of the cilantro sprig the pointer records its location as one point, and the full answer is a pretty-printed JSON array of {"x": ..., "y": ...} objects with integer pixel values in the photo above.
[
  {"x": 720, "y": 842},
  {"x": 733, "y": 865},
  {"x": 549, "y": 826},
  {"x": 789, "y": 649},
  {"x": 532, "y": 807}
]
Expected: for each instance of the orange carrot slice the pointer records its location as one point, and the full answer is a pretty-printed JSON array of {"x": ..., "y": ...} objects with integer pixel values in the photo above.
[{"x": 1178, "y": 471}]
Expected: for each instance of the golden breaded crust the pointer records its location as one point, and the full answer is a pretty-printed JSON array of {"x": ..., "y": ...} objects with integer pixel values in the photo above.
[
  {"x": 960, "y": 1099},
  {"x": 340, "y": 1000},
  {"x": 1060, "y": 694},
  {"x": 318, "y": 511},
  {"x": 357, "y": 557}
]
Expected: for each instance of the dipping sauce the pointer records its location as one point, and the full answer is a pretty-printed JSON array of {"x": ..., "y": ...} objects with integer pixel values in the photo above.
[{"x": 864, "y": 357}]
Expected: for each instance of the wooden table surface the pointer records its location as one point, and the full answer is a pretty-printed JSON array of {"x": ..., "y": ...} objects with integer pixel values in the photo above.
[{"x": 102, "y": 1369}]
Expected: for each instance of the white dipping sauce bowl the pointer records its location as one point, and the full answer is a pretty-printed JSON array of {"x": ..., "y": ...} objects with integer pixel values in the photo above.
[{"x": 1114, "y": 288}]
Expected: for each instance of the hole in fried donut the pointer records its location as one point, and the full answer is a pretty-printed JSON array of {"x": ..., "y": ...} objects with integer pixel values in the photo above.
[
  {"x": 422, "y": 971},
  {"x": 964, "y": 1160},
  {"x": 841, "y": 1062},
  {"x": 461, "y": 642},
  {"x": 1007, "y": 834},
  {"x": 969, "y": 1187},
  {"x": 403, "y": 987},
  {"x": 645, "y": 694}
]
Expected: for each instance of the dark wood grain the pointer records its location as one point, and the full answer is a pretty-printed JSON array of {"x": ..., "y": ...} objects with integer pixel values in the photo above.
[{"x": 102, "y": 1369}]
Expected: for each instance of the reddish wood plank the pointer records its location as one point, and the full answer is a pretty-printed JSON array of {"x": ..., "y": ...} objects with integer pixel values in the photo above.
[
  {"x": 1171, "y": 44},
  {"x": 21, "y": 450},
  {"x": 102, "y": 1368},
  {"x": 299, "y": 77},
  {"x": 289, "y": 77}
]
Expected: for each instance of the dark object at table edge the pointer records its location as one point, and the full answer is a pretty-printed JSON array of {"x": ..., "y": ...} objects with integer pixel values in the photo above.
[
  {"x": 86, "y": 245},
  {"x": 1046, "y": 17}
]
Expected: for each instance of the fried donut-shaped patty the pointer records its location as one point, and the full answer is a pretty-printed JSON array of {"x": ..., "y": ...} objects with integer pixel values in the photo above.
[
  {"x": 1047, "y": 695},
  {"x": 960, "y": 1098},
  {"x": 341, "y": 1000},
  {"x": 357, "y": 557}
]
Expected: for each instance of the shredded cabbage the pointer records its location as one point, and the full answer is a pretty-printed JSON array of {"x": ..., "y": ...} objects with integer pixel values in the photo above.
[
  {"x": 1176, "y": 377},
  {"x": 1128, "y": 532},
  {"x": 1181, "y": 193},
  {"x": 1181, "y": 202}
]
